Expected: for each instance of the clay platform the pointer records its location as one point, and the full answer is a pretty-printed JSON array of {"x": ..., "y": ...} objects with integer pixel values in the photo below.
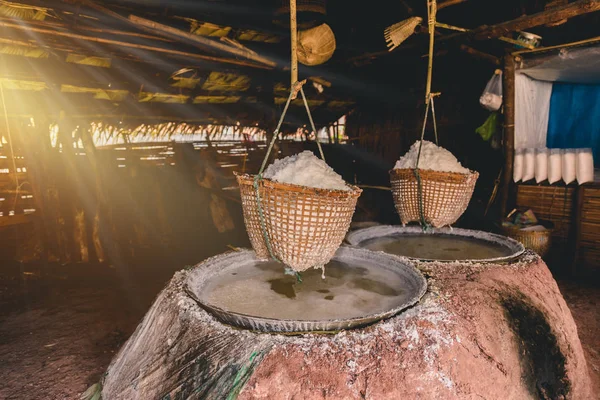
[{"x": 482, "y": 331}]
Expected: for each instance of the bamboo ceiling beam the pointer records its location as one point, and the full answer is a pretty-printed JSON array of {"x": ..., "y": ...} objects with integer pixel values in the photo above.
[
  {"x": 480, "y": 54},
  {"x": 577, "y": 8},
  {"x": 409, "y": 9},
  {"x": 569, "y": 10},
  {"x": 170, "y": 31},
  {"x": 129, "y": 45},
  {"x": 559, "y": 46},
  {"x": 449, "y": 3},
  {"x": 84, "y": 28}
]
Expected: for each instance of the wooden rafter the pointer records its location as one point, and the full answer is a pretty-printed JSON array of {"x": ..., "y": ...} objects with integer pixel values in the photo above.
[
  {"x": 480, "y": 54},
  {"x": 84, "y": 28},
  {"x": 576, "y": 8},
  {"x": 52, "y": 32},
  {"x": 570, "y": 10},
  {"x": 449, "y": 3},
  {"x": 594, "y": 40},
  {"x": 170, "y": 32}
]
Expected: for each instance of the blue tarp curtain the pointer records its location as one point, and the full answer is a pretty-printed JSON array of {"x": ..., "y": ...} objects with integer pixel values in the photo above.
[{"x": 575, "y": 117}]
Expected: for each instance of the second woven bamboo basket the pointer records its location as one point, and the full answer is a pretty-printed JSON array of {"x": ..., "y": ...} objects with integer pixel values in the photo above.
[{"x": 445, "y": 195}]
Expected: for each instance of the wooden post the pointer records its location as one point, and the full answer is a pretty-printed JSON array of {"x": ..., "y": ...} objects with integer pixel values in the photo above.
[{"x": 509, "y": 129}]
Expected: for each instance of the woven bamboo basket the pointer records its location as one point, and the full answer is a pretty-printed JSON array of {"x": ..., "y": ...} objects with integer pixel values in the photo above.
[
  {"x": 446, "y": 195},
  {"x": 538, "y": 241},
  {"x": 316, "y": 45},
  {"x": 304, "y": 226}
]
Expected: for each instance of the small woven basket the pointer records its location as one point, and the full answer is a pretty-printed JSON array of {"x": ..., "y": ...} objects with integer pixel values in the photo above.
[
  {"x": 316, "y": 45},
  {"x": 445, "y": 195},
  {"x": 538, "y": 241},
  {"x": 304, "y": 226}
]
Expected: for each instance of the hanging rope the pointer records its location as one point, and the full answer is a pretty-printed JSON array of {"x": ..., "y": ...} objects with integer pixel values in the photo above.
[
  {"x": 295, "y": 87},
  {"x": 312, "y": 124},
  {"x": 433, "y": 118},
  {"x": 429, "y": 104},
  {"x": 258, "y": 177}
]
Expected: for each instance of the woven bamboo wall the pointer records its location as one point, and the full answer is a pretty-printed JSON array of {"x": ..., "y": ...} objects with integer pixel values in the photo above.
[
  {"x": 589, "y": 253},
  {"x": 17, "y": 204},
  {"x": 17, "y": 207},
  {"x": 556, "y": 204}
]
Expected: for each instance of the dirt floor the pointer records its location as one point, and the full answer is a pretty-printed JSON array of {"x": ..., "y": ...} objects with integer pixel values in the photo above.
[
  {"x": 583, "y": 299},
  {"x": 60, "y": 328}
]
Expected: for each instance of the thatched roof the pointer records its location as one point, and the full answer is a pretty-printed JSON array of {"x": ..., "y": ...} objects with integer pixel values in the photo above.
[{"x": 226, "y": 61}]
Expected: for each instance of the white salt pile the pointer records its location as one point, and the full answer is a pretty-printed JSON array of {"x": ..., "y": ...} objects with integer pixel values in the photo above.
[
  {"x": 305, "y": 169},
  {"x": 433, "y": 158}
]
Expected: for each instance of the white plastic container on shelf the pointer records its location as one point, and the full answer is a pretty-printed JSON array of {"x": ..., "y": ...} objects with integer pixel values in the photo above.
[
  {"x": 541, "y": 165},
  {"x": 518, "y": 166},
  {"x": 554, "y": 165},
  {"x": 568, "y": 166},
  {"x": 528, "y": 165},
  {"x": 584, "y": 166}
]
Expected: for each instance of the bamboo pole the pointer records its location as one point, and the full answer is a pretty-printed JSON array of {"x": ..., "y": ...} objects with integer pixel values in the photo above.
[
  {"x": 170, "y": 31},
  {"x": 509, "y": 129},
  {"x": 503, "y": 38},
  {"x": 129, "y": 45},
  {"x": 294, "y": 39},
  {"x": 431, "y": 14}
]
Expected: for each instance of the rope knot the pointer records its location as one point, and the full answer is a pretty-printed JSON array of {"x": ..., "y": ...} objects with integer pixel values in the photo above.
[{"x": 296, "y": 87}]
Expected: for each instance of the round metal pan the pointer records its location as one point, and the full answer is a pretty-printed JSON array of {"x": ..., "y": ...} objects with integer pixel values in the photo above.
[
  {"x": 199, "y": 281},
  {"x": 513, "y": 249}
]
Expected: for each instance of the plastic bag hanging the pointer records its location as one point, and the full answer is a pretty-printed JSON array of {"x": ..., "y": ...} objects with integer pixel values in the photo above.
[
  {"x": 489, "y": 127},
  {"x": 491, "y": 98}
]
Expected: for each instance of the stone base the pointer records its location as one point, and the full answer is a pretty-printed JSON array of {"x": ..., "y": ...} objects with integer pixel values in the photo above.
[{"x": 481, "y": 332}]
